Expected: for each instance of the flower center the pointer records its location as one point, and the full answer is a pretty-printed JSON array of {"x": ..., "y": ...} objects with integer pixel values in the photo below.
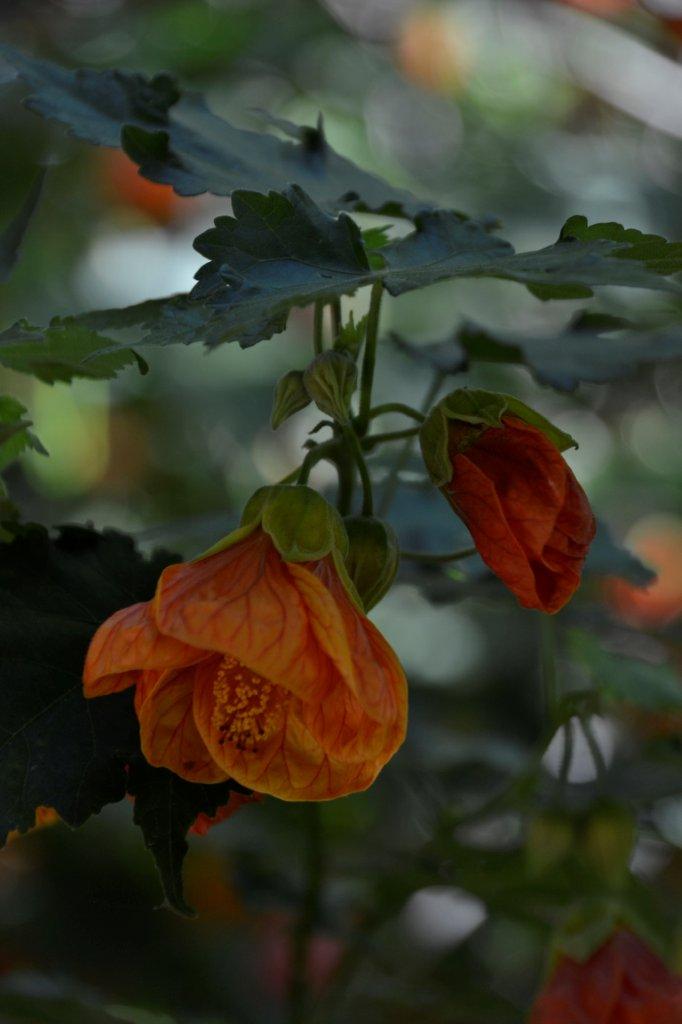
[{"x": 247, "y": 707}]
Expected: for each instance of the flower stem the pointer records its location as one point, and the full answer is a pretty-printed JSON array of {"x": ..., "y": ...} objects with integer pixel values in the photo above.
[
  {"x": 395, "y": 435},
  {"x": 398, "y": 407},
  {"x": 320, "y": 451},
  {"x": 393, "y": 479},
  {"x": 335, "y": 307},
  {"x": 318, "y": 343},
  {"x": 369, "y": 358},
  {"x": 310, "y": 905},
  {"x": 548, "y": 672},
  {"x": 428, "y": 558},
  {"x": 594, "y": 748},
  {"x": 356, "y": 448}
]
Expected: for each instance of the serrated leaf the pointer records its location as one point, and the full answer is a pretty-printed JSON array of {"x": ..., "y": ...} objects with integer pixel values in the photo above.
[
  {"x": 62, "y": 351},
  {"x": 15, "y": 435},
  {"x": 627, "y": 680},
  {"x": 178, "y": 141},
  {"x": 166, "y": 807},
  {"x": 12, "y": 236}
]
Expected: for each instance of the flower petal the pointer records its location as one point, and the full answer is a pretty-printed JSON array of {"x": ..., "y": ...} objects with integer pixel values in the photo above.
[
  {"x": 126, "y": 642},
  {"x": 242, "y": 602},
  {"x": 362, "y": 656},
  {"x": 287, "y": 762},
  {"x": 168, "y": 734}
]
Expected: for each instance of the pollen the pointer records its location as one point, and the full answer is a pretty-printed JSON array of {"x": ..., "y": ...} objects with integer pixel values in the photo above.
[{"x": 247, "y": 707}]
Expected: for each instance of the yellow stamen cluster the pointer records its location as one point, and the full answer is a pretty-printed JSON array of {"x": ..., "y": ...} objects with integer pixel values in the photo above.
[{"x": 246, "y": 705}]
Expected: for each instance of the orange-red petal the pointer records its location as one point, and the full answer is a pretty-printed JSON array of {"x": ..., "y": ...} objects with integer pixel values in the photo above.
[
  {"x": 127, "y": 642},
  {"x": 168, "y": 734},
  {"x": 242, "y": 602}
]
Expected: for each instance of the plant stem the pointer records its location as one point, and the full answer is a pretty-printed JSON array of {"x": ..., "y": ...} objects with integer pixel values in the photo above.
[
  {"x": 369, "y": 358},
  {"x": 399, "y": 407},
  {"x": 548, "y": 672},
  {"x": 567, "y": 755},
  {"x": 318, "y": 343},
  {"x": 320, "y": 451},
  {"x": 391, "y": 485},
  {"x": 356, "y": 448},
  {"x": 314, "y": 868},
  {"x": 335, "y": 307},
  {"x": 428, "y": 558},
  {"x": 595, "y": 749},
  {"x": 395, "y": 435},
  {"x": 345, "y": 469}
]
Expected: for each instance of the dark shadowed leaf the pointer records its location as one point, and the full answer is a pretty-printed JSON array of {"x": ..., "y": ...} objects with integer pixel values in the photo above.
[
  {"x": 15, "y": 436},
  {"x": 622, "y": 679},
  {"x": 608, "y": 558},
  {"x": 178, "y": 141},
  {"x": 561, "y": 360},
  {"x": 166, "y": 807},
  {"x": 12, "y": 236}
]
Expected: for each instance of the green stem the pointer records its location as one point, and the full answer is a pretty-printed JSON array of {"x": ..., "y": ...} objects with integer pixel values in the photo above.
[
  {"x": 369, "y": 358},
  {"x": 355, "y": 447},
  {"x": 335, "y": 307},
  {"x": 318, "y": 342},
  {"x": 320, "y": 451},
  {"x": 428, "y": 558},
  {"x": 345, "y": 464},
  {"x": 400, "y": 407},
  {"x": 391, "y": 485},
  {"x": 310, "y": 905},
  {"x": 548, "y": 672},
  {"x": 567, "y": 755},
  {"x": 395, "y": 435}
]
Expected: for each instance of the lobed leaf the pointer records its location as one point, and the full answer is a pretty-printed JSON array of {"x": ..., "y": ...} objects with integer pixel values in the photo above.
[{"x": 62, "y": 351}]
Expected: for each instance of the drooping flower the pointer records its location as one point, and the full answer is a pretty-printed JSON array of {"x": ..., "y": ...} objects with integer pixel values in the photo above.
[
  {"x": 255, "y": 662},
  {"x": 500, "y": 466},
  {"x": 624, "y": 982}
]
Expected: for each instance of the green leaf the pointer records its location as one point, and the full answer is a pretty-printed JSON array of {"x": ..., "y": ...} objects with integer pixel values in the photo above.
[
  {"x": 178, "y": 141},
  {"x": 15, "y": 436},
  {"x": 57, "y": 749},
  {"x": 18, "y": 1007},
  {"x": 627, "y": 680},
  {"x": 62, "y": 351},
  {"x": 166, "y": 807},
  {"x": 13, "y": 235},
  {"x": 561, "y": 360}
]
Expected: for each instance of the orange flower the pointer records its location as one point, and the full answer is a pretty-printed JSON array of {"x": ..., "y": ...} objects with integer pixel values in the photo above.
[
  {"x": 622, "y": 983},
  {"x": 257, "y": 668},
  {"x": 527, "y": 513},
  {"x": 658, "y": 540}
]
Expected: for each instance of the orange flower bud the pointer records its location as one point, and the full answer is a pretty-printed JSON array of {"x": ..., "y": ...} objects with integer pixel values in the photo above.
[
  {"x": 499, "y": 464},
  {"x": 622, "y": 983},
  {"x": 258, "y": 667}
]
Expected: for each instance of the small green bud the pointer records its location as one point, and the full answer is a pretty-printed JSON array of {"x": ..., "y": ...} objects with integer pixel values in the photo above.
[
  {"x": 351, "y": 336},
  {"x": 290, "y": 397},
  {"x": 303, "y": 526},
  {"x": 607, "y": 841},
  {"x": 330, "y": 381},
  {"x": 372, "y": 559},
  {"x": 549, "y": 841},
  {"x": 480, "y": 409}
]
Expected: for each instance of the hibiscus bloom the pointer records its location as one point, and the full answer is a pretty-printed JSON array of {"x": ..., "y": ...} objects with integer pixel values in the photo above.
[
  {"x": 252, "y": 667},
  {"x": 528, "y": 515},
  {"x": 622, "y": 983}
]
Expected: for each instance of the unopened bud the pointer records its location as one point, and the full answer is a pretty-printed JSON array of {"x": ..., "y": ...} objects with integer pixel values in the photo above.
[
  {"x": 290, "y": 397},
  {"x": 330, "y": 381},
  {"x": 372, "y": 559}
]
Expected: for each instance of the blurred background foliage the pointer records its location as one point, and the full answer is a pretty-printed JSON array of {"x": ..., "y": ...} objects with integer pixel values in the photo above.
[{"x": 438, "y": 906}]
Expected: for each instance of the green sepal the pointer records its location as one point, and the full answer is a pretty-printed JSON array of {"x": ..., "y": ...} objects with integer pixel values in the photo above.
[
  {"x": 330, "y": 381},
  {"x": 351, "y": 336},
  {"x": 303, "y": 526},
  {"x": 290, "y": 397},
  {"x": 607, "y": 841},
  {"x": 373, "y": 557},
  {"x": 549, "y": 841},
  {"x": 480, "y": 409}
]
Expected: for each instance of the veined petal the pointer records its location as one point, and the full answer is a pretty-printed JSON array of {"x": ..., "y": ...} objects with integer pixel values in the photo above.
[
  {"x": 362, "y": 656},
  {"x": 346, "y": 732},
  {"x": 285, "y": 761},
  {"x": 168, "y": 733},
  {"x": 242, "y": 602},
  {"x": 126, "y": 642}
]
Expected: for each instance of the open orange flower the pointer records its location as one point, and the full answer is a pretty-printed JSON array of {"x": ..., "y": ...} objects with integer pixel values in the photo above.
[
  {"x": 622, "y": 983},
  {"x": 528, "y": 515},
  {"x": 252, "y": 666}
]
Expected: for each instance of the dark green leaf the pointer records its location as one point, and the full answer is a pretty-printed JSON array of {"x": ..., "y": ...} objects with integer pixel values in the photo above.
[
  {"x": 13, "y": 235},
  {"x": 166, "y": 807},
  {"x": 56, "y": 748},
  {"x": 627, "y": 680},
  {"x": 180, "y": 142},
  {"x": 608, "y": 558},
  {"x": 62, "y": 351},
  {"x": 32, "y": 1009},
  {"x": 15, "y": 436},
  {"x": 561, "y": 360}
]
